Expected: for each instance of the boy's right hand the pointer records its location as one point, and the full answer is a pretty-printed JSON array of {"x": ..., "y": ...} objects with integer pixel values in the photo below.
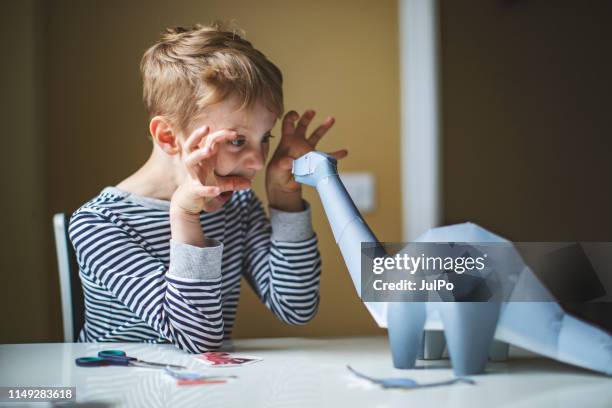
[{"x": 202, "y": 185}]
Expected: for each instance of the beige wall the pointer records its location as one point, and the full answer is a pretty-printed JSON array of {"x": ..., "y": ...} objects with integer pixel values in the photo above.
[{"x": 339, "y": 58}]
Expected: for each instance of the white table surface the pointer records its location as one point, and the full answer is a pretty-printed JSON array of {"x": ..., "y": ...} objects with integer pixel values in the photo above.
[{"x": 298, "y": 372}]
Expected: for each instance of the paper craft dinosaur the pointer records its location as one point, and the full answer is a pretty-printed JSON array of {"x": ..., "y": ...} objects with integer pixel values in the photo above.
[{"x": 473, "y": 330}]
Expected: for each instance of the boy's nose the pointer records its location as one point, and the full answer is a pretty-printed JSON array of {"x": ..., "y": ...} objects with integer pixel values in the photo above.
[{"x": 256, "y": 160}]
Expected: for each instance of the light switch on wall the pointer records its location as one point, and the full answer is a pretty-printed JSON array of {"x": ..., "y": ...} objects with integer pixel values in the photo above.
[{"x": 360, "y": 187}]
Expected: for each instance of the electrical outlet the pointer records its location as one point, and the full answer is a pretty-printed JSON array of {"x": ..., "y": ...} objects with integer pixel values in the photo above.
[{"x": 360, "y": 186}]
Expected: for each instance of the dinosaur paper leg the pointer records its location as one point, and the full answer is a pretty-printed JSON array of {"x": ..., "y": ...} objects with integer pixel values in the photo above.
[
  {"x": 469, "y": 328},
  {"x": 406, "y": 322}
]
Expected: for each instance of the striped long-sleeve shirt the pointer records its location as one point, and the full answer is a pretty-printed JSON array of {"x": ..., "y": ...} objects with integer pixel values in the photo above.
[{"x": 139, "y": 285}]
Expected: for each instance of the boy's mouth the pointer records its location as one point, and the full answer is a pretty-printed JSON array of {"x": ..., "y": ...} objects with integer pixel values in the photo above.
[{"x": 224, "y": 196}]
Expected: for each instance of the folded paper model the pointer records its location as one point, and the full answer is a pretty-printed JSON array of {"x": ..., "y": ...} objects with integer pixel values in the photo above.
[{"x": 473, "y": 331}]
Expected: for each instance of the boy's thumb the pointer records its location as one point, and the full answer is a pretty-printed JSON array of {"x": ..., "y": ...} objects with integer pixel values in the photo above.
[{"x": 286, "y": 163}]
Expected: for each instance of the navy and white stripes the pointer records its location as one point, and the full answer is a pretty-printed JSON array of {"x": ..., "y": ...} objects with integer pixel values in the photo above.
[{"x": 123, "y": 248}]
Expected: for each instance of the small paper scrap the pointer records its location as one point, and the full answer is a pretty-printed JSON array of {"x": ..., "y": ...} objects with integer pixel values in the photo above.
[{"x": 224, "y": 359}]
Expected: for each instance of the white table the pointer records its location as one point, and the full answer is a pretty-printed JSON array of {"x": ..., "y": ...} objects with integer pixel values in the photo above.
[{"x": 298, "y": 372}]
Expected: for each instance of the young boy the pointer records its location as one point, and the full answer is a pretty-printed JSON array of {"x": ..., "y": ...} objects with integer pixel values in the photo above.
[{"x": 162, "y": 253}]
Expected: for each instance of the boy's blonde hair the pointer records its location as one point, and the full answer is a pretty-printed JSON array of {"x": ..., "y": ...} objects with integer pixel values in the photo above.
[{"x": 191, "y": 68}]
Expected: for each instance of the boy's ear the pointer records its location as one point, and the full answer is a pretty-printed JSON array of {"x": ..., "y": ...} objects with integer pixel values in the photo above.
[{"x": 163, "y": 135}]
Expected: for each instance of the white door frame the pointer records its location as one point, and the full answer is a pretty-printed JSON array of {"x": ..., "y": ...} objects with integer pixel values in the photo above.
[{"x": 420, "y": 116}]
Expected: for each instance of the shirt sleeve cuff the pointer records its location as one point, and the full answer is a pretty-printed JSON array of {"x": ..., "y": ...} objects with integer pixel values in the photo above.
[
  {"x": 291, "y": 226},
  {"x": 192, "y": 262}
]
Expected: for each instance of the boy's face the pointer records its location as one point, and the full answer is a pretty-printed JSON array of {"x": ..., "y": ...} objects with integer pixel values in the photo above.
[{"x": 248, "y": 153}]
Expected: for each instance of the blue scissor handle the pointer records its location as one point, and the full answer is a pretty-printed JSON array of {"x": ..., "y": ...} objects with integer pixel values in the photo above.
[
  {"x": 99, "y": 362},
  {"x": 105, "y": 358},
  {"x": 116, "y": 355}
]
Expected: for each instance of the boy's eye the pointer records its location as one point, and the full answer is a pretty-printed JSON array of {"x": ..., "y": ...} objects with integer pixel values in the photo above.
[
  {"x": 236, "y": 142},
  {"x": 241, "y": 142}
]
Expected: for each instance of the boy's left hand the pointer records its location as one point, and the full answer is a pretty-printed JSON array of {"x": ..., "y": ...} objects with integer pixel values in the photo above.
[{"x": 284, "y": 193}]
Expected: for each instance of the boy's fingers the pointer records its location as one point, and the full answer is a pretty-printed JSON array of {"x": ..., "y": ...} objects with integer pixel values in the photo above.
[
  {"x": 210, "y": 146},
  {"x": 219, "y": 136},
  {"x": 208, "y": 191},
  {"x": 339, "y": 154},
  {"x": 195, "y": 137},
  {"x": 304, "y": 122},
  {"x": 318, "y": 134},
  {"x": 197, "y": 156},
  {"x": 232, "y": 183},
  {"x": 286, "y": 163},
  {"x": 289, "y": 122}
]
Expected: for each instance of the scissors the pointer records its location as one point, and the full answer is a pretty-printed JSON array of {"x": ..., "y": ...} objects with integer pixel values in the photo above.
[{"x": 118, "y": 357}]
